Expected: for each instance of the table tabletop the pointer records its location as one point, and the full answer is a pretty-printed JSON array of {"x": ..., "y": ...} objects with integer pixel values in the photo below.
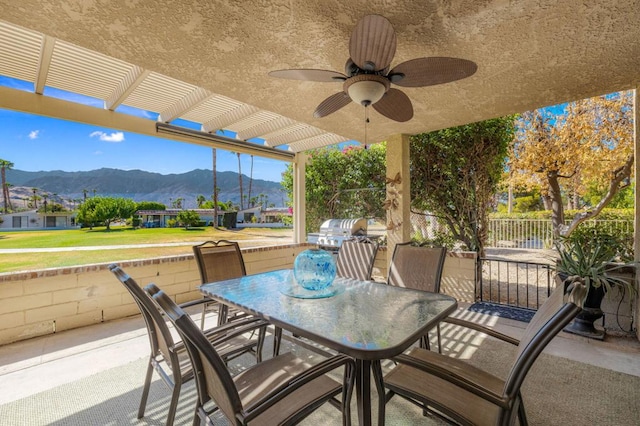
[{"x": 363, "y": 319}]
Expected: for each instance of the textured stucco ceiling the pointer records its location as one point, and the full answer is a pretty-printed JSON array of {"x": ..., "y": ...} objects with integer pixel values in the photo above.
[{"x": 529, "y": 53}]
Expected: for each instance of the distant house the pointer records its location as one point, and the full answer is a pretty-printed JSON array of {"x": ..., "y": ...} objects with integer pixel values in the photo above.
[
  {"x": 33, "y": 219},
  {"x": 247, "y": 215},
  {"x": 270, "y": 218},
  {"x": 160, "y": 218},
  {"x": 275, "y": 214}
]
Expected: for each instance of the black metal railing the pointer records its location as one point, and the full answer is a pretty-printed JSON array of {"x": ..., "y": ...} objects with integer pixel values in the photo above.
[{"x": 515, "y": 283}]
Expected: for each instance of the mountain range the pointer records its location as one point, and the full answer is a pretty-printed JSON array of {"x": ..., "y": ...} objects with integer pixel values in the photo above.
[{"x": 141, "y": 186}]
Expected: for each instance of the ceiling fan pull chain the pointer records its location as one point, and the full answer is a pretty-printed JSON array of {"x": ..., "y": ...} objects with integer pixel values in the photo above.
[{"x": 366, "y": 125}]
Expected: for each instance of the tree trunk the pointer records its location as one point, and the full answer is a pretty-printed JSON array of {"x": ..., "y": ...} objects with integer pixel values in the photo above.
[
  {"x": 215, "y": 188},
  {"x": 250, "y": 180},
  {"x": 240, "y": 183},
  {"x": 557, "y": 210},
  {"x": 4, "y": 189}
]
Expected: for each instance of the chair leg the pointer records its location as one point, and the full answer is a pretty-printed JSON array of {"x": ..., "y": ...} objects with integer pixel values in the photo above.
[
  {"x": 439, "y": 339},
  {"x": 522, "y": 415},
  {"x": 173, "y": 405},
  {"x": 145, "y": 389}
]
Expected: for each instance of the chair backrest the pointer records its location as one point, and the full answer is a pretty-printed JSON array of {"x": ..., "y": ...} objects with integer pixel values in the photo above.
[
  {"x": 159, "y": 334},
  {"x": 219, "y": 260},
  {"x": 213, "y": 380},
  {"x": 417, "y": 268},
  {"x": 551, "y": 318},
  {"x": 355, "y": 259}
]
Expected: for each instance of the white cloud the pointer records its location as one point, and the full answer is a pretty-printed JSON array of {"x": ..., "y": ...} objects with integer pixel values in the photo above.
[
  {"x": 34, "y": 134},
  {"x": 97, "y": 153},
  {"x": 108, "y": 137}
]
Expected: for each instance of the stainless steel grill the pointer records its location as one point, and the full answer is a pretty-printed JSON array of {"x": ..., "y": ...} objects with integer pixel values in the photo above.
[{"x": 334, "y": 231}]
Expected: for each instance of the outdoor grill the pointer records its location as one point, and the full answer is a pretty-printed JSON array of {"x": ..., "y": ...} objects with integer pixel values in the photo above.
[{"x": 334, "y": 231}]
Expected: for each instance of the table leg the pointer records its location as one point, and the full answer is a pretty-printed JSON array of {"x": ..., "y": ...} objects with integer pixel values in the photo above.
[
  {"x": 277, "y": 337},
  {"x": 363, "y": 391}
]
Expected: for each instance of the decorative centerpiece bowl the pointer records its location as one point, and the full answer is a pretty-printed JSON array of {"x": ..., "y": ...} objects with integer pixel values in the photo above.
[{"x": 314, "y": 269}]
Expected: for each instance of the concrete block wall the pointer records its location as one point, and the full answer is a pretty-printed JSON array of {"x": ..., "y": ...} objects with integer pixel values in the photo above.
[{"x": 37, "y": 303}]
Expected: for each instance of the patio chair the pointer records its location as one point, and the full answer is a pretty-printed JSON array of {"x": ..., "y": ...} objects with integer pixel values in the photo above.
[
  {"x": 455, "y": 390},
  {"x": 217, "y": 261},
  {"x": 355, "y": 259},
  {"x": 169, "y": 358},
  {"x": 280, "y": 391},
  {"x": 418, "y": 268},
  {"x": 222, "y": 260}
]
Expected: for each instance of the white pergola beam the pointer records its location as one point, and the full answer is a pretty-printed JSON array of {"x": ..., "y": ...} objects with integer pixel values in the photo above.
[
  {"x": 44, "y": 62},
  {"x": 131, "y": 81},
  {"x": 31, "y": 103},
  {"x": 184, "y": 105}
]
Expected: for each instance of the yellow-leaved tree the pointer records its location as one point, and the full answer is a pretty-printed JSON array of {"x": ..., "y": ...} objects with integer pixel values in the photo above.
[{"x": 591, "y": 143}]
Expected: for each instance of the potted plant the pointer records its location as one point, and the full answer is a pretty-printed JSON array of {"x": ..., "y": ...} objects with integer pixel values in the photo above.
[{"x": 598, "y": 259}]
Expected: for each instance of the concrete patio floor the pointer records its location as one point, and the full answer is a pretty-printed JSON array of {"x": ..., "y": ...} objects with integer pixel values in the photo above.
[{"x": 39, "y": 364}]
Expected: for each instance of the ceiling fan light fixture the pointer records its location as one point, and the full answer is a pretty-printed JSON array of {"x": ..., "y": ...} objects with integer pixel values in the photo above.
[{"x": 366, "y": 89}]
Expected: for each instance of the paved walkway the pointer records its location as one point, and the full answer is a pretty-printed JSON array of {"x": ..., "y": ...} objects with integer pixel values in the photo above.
[{"x": 113, "y": 247}]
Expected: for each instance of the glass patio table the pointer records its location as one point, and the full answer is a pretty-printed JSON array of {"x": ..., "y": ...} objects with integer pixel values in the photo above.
[{"x": 366, "y": 320}]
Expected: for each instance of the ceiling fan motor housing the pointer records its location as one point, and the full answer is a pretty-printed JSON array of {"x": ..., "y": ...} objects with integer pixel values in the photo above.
[{"x": 366, "y": 89}]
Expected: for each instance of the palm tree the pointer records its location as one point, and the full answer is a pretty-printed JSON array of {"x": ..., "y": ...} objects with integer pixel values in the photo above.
[
  {"x": 250, "y": 179},
  {"x": 240, "y": 180},
  {"x": 45, "y": 196},
  {"x": 215, "y": 188},
  {"x": 8, "y": 186},
  {"x": 35, "y": 198},
  {"x": 4, "y": 166},
  {"x": 200, "y": 200},
  {"x": 84, "y": 193}
]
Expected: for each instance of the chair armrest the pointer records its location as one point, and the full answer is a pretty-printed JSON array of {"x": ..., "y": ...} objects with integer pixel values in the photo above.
[
  {"x": 282, "y": 391},
  {"x": 196, "y": 302},
  {"x": 482, "y": 329},
  {"x": 234, "y": 329},
  {"x": 458, "y": 373}
]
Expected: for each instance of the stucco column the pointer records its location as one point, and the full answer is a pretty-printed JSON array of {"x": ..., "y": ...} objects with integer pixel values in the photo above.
[
  {"x": 636, "y": 220},
  {"x": 299, "y": 198},
  {"x": 398, "y": 196}
]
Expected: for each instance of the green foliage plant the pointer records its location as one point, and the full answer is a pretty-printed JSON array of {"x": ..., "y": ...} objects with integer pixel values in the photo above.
[
  {"x": 150, "y": 205},
  {"x": 342, "y": 183},
  {"x": 594, "y": 257},
  {"x": 455, "y": 173},
  {"x": 105, "y": 210},
  {"x": 188, "y": 218}
]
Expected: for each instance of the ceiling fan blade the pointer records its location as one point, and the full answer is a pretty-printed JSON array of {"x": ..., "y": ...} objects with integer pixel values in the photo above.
[
  {"x": 324, "y": 76},
  {"x": 373, "y": 43},
  {"x": 431, "y": 71},
  {"x": 395, "y": 105},
  {"x": 331, "y": 104}
]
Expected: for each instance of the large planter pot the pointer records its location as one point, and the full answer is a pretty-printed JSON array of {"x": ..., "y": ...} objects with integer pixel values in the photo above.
[{"x": 591, "y": 312}]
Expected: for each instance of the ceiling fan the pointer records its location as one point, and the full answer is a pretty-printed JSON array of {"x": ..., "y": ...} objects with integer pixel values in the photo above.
[{"x": 367, "y": 78}]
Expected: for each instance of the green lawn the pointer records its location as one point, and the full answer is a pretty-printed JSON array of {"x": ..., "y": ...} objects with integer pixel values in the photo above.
[{"x": 99, "y": 237}]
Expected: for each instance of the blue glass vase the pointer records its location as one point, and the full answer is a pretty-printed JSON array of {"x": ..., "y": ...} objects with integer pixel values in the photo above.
[{"x": 314, "y": 269}]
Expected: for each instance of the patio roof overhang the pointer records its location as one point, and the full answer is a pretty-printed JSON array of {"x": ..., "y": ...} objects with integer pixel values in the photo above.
[{"x": 208, "y": 61}]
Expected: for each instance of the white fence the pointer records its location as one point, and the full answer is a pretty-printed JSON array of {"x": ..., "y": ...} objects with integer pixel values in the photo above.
[
  {"x": 537, "y": 233},
  {"x": 513, "y": 233}
]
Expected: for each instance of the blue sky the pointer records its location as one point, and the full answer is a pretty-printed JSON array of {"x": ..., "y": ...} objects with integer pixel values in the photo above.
[{"x": 35, "y": 143}]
